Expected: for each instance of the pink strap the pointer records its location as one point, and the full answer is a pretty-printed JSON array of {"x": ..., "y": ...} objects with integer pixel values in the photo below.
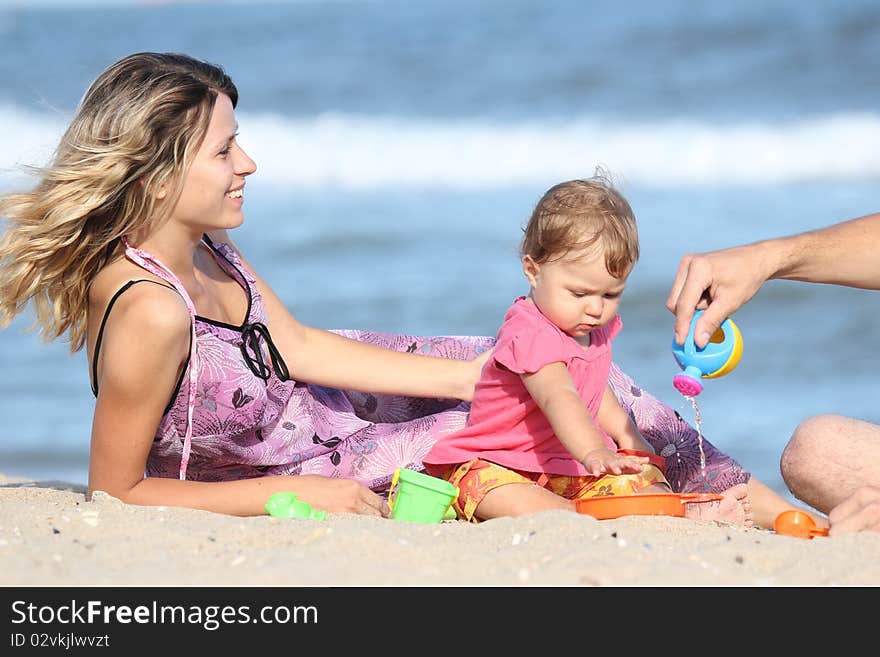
[{"x": 155, "y": 266}]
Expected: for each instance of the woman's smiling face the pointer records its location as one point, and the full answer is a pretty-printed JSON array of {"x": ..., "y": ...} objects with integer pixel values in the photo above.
[{"x": 213, "y": 189}]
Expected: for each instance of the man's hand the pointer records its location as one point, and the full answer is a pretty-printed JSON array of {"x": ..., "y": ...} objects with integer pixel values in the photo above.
[
  {"x": 859, "y": 512},
  {"x": 719, "y": 282}
]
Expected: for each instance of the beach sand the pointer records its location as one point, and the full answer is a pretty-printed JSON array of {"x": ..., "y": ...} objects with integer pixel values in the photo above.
[{"x": 51, "y": 536}]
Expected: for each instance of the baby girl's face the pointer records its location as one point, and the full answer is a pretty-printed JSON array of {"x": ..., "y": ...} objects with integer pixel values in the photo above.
[{"x": 576, "y": 293}]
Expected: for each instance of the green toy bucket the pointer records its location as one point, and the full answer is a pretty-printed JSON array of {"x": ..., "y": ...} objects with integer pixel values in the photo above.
[{"x": 417, "y": 497}]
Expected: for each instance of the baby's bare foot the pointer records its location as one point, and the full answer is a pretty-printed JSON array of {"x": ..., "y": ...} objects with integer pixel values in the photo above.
[{"x": 733, "y": 508}]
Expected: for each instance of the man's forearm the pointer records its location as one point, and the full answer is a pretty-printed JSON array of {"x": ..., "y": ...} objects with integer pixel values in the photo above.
[{"x": 842, "y": 254}]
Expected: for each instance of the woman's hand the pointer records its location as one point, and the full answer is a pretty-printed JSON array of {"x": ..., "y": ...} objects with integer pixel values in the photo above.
[
  {"x": 339, "y": 495},
  {"x": 475, "y": 369}
]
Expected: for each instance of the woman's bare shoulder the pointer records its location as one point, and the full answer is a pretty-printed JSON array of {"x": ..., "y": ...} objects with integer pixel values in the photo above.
[{"x": 152, "y": 305}]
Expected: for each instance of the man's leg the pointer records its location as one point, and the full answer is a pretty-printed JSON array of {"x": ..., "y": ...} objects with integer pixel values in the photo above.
[{"x": 828, "y": 457}]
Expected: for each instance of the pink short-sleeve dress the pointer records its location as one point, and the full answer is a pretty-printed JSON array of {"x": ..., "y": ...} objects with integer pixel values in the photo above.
[{"x": 505, "y": 425}]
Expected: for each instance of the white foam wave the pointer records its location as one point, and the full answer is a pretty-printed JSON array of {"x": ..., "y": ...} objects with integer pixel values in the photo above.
[
  {"x": 367, "y": 152},
  {"x": 28, "y": 139}
]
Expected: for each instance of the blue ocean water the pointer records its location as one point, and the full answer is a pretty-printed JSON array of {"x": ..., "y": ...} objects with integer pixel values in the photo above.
[{"x": 401, "y": 145}]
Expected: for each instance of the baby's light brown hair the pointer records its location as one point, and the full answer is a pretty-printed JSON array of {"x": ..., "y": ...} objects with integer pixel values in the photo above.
[{"x": 574, "y": 215}]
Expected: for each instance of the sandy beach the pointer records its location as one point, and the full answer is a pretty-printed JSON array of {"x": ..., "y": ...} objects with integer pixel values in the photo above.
[{"x": 51, "y": 536}]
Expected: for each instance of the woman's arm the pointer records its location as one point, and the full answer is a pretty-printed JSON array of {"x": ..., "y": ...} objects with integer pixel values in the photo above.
[
  {"x": 247, "y": 497},
  {"x": 145, "y": 345},
  {"x": 318, "y": 356}
]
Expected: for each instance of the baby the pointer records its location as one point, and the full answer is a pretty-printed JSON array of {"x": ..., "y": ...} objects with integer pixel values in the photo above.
[{"x": 544, "y": 427}]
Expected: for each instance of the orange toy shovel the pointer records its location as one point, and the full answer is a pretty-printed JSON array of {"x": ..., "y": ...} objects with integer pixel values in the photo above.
[{"x": 798, "y": 524}]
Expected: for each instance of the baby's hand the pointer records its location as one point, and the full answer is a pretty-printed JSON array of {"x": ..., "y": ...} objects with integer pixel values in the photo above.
[{"x": 604, "y": 461}]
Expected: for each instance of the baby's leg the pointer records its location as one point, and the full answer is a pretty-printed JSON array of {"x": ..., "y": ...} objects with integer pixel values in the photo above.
[
  {"x": 519, "y": 499},
  {"x": 488, "y": 490},
  {"x": 733, "y": 508}
]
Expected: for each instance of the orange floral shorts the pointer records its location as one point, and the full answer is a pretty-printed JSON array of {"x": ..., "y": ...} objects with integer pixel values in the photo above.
[{"x": 477, "y": 477}]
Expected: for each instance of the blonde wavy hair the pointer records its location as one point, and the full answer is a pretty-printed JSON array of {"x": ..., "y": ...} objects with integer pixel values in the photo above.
[
  {"x": 137, "y": 127},
  {"x": 574, "y": 215}
]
